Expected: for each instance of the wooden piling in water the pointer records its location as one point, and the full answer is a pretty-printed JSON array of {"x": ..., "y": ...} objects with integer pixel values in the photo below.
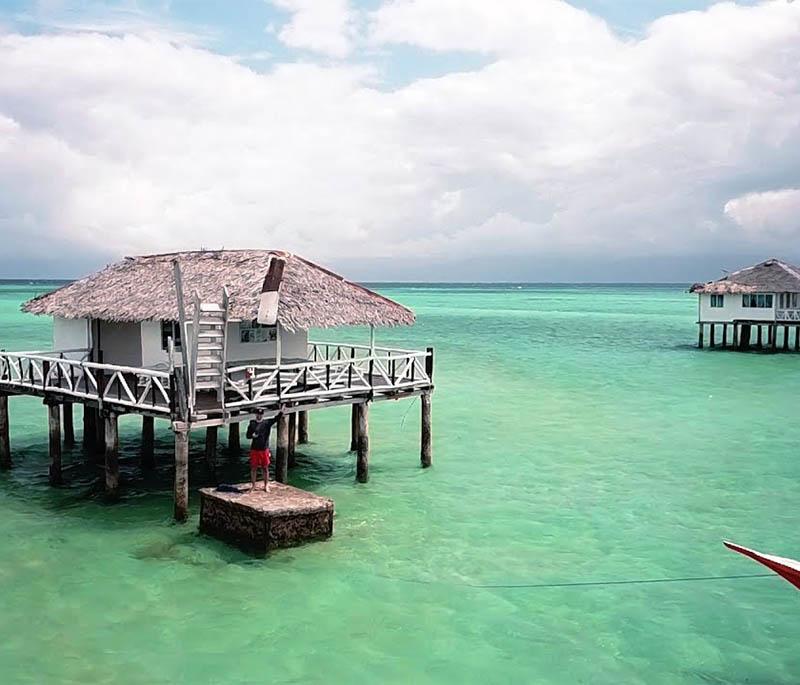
[
  {"x": 796, "y": 338},
  {"x": 711, "y": 330},
  {"x": 212, "y": 437},
  {"x": 354, "y": 428},
  {"x": 292, "y": 439},
  {"x": 181, "y": 487},
  {"x": 5, "y": 442},
  {"x": 425, "y": 453},
  {"x": 744, "y": 336},
  {"x": 148, "y": 457},
  {"x": 89, "y": 427},
  {"x": 362, "y": 453},
  {"x": 69, "y": 426},
  {"x": 302, "y": 428},
  {"x": 111, "y": 431},
  {"x": 700, "y": 336},
  {"x": 234, "y": 439},
  {"x": 760, "y": 337},
  {"x": 724, "y": 335},
  {"x": 773, "y": 337},
  {"x": 282, "y": 449},
  {"x": 785, "y": 337},
  {"x": 54, "y": 434}
]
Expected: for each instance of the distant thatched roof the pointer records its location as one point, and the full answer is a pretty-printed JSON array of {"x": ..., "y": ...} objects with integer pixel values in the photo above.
[
  {"x": 143, "y": 288},
  {"x": 771, "y": 276}
]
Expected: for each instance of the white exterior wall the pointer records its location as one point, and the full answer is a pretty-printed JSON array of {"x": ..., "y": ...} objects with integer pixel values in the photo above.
[
  {"x": 293, "y": 346},
  {"x": 70, "y": 334},
  {"x": 152, "y": 354},
  {"x": 733, "y": 310}
]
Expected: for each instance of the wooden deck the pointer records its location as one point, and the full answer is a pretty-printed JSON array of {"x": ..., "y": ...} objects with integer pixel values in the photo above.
[{"x": 259, "y": 521}]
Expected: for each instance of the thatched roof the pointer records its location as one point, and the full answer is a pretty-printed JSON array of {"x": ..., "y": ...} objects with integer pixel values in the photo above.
[
  {"x": 143, "y": 288},
  {"x": 771, "y": 276}
]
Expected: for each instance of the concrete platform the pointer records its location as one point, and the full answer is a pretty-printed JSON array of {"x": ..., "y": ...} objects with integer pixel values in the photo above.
[{"x": 257, "y": 521}]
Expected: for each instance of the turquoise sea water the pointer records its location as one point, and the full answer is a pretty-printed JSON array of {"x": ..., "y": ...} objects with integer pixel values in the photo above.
[{"x": 579, "y": 438}]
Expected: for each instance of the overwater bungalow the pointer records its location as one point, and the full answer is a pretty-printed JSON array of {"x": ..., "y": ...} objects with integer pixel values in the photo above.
[
  {"x": 755, "y": 306},
  {"x": 202, "y": 339}
]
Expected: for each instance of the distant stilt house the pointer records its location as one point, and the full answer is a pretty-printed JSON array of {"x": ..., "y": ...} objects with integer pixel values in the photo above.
[
  {"x": 202, "y": 339},
  {"x": 758, "y": 306}
]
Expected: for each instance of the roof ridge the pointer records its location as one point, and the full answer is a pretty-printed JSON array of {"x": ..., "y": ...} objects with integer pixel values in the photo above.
[{"x": 788, "y": 268}]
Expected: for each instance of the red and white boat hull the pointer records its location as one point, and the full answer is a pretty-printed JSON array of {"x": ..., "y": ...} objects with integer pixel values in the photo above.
[{"x": 783, "y": 566}]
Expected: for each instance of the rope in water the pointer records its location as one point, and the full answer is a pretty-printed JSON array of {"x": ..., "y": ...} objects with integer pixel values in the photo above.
[{"x": 588, "y": 583}]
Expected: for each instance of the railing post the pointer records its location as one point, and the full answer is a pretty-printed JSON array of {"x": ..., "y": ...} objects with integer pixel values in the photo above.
[
  {"x": 45, "y": 373},
  {"x": 429, "y": 364}
]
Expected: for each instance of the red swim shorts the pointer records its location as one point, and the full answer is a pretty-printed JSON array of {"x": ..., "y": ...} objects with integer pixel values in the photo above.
[{"x": 259, "y": 458}]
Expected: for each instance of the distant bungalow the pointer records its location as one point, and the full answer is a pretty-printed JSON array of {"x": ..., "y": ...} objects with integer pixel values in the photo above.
[
  {"x": 202, "y": 340},
  {"x": 757, "y": 303}
]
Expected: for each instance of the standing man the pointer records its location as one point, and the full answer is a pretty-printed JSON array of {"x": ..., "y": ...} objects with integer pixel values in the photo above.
[{"x": 258, "y": 431}]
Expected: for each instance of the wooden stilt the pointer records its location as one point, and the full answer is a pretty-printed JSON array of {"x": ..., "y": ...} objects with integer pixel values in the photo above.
[
  {"x": 212, "y": 437},
  {"x": 736, "y": 340},
  {"x": 724, "y": 335},
  {"x": 354, "y": 428},
  {"x": 292, "y": 438},
  {"x": 69, "y": 426},
  {"x": 760, "y": 337},
  {"x": 111, "y": 455},
  {"x": 425, "y": 455},
  {"x": 5, "y": 442},
  {"x": 54, "y": 430},
  {"x": 785, "y": 337},
  {"x": 181, "y": 476},
  {"x": 302, "y": 428},
  {"x": 711, "y": 330},
  {"x": 234, "y": 439},
  {"x": 744, "y": 336},
  {"x": 700, "y": 336},
  {"x": 773, "y": 335},
  {"x": 148, "y": 442},
  {"x": 100, "y": 437},
  {"x": 282, "y": 451},
  {"x": 362, "y": 454},
  {"x": 89, "y": 427},
  {"x": 796, "y": 338}
]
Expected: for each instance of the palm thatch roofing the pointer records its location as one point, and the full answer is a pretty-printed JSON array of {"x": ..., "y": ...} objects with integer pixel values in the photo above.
[
  {"x": 770, "y": 276},
  {"x": 143, "y": 289}
]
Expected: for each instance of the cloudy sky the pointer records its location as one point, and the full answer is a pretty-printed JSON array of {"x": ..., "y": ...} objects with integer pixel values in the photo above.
[{"x": 529, "y": 140}]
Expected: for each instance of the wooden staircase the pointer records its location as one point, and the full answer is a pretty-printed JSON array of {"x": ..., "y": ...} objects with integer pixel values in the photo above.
[{"x": 209, "y": 347}]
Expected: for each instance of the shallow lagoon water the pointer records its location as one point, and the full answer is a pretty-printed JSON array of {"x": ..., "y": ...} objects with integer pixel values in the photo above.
[{"x": 579, "y": 438}]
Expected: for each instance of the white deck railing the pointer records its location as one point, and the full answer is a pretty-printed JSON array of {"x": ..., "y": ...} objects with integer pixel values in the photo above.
[
  {"x": 333, "y": 369},
  {"x": 62, "y": 373},
  {"x": 787, "y": 314}
]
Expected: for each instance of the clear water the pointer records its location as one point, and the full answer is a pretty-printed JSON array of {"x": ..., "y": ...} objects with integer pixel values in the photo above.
[{"x": 579, "y": 437}]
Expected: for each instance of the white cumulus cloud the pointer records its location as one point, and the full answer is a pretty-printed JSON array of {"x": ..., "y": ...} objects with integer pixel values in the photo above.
[
  {"x": 325, "y": 26},
  {"x": 569, "y": 140},
  {"x": 774, "y": 212}
]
